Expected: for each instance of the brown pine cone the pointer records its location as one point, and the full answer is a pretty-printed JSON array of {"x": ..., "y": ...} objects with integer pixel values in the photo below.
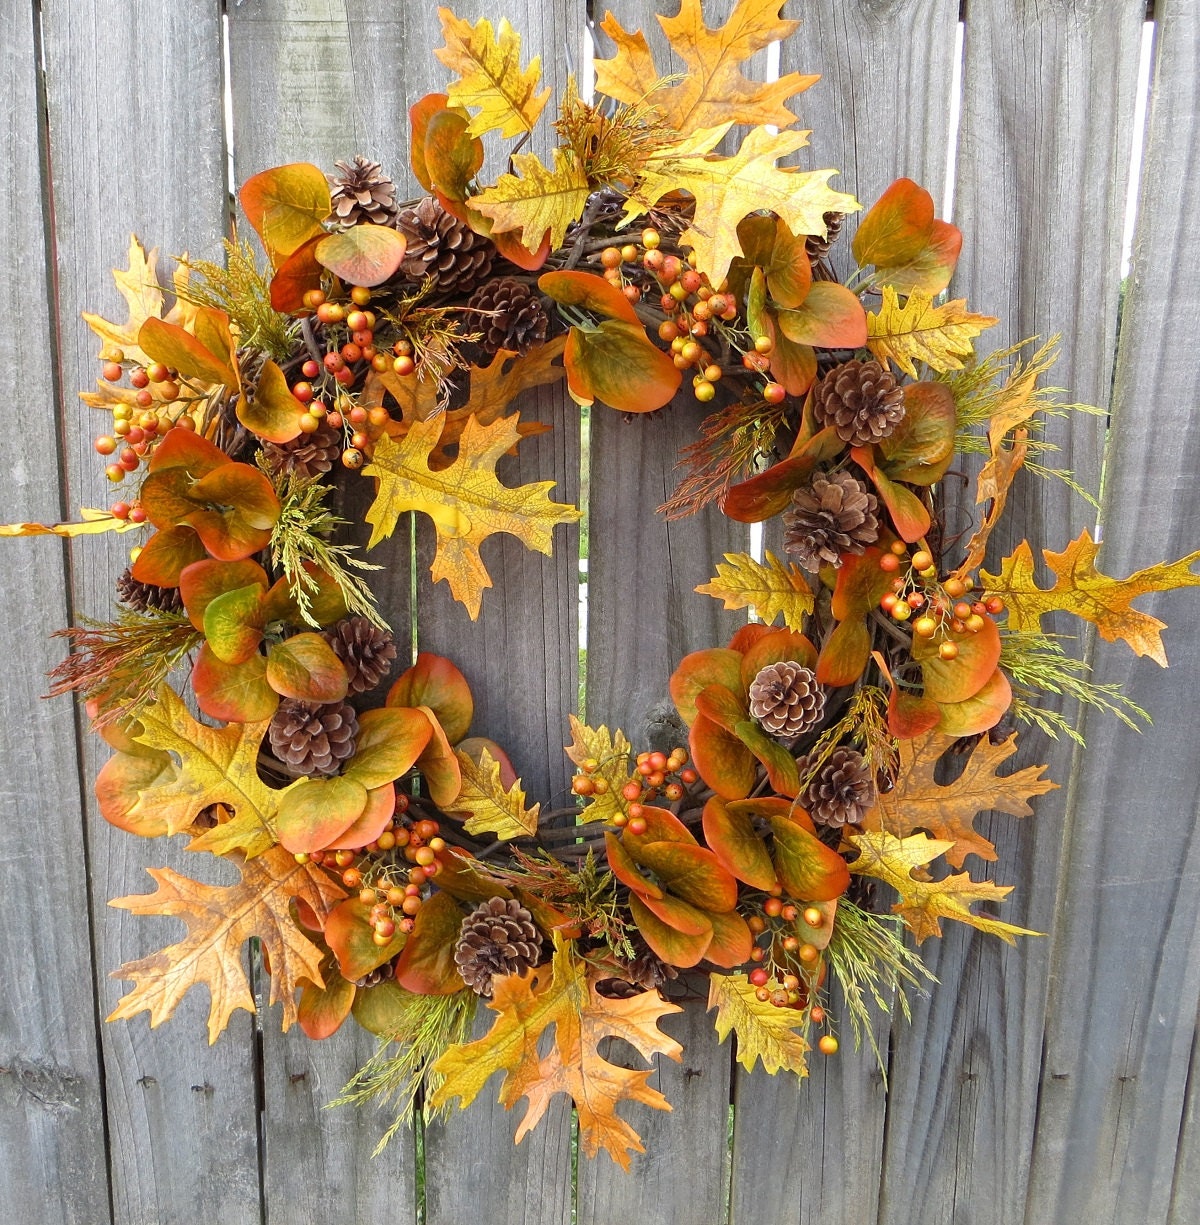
[
  {"x": 308, "y": 454},
  {"x": 861, "y": 400},
  {"x": 817, "y": 245},
  {"x": 831, "y": 516},
  {"x": 312, "y": 737},
  {"x": 366, "y": 651},
  {"x": 378, "y": 975},
  {"x": 511, "y": 315},
  {"x": 786, "y": 699},
  {"x": 841, "y": 791},
  {"x": 362, "y": 193},
  {"x": 146, "y": 597},
  {"x": 444, "y": 248},
  {"x": 498, "y": 937}
]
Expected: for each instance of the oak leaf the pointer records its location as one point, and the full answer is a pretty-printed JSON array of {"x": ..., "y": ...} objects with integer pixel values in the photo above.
[
  {"x": 563, "y": 994},
  {"x": 713, "y": 89},
  {"x": 763, "y": 1031},
  {"x": 488, "y": 805},
  {"x": 1081, "y": 589},
  {"x": 923, "y": 903},
  {"x": 488, "y": 63},
  {"x": 139, "y": 287},
  {"x": 772, "y": 589},
  {"x": 540, "y": 199},
  {"x": 465, "y": 501},
  {"x": 220, "y": 919},
  {"x": 918, "y": 801},
  {"x": 614, "y": 757},
  {"x": 918, "y": 331}
]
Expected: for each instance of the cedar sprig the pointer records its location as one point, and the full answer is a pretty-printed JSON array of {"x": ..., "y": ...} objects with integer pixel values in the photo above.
[
  {"x": 612, "y": 143},
  {"x": 863, "y": 722},
  {"x": 424, "y": 1027},
  {"x": 122, "y": 664},
  {"x": 300, "y": 540},
  {"x": 435, "y": 333}
]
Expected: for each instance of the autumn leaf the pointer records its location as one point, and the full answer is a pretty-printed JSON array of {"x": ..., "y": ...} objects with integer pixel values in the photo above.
[
  {"x": 924, "y": 903},
  {"x": 92, "y": 522},
  {"x": 488, "y": 63},
  {"x": 918, "y": 331},
  {"x": 465, "y": 501},
  {"x": 220, "y": 919},
  {"x": 614, "y": 757},
  {"x": 1081, "y": 589},
  {"x": 563, "y": 994},
  {"x": 772, "y": 590},
  {"x": 727, "y": 189},
  {"x": 762, "y": 1030},
  {"x": 140, "y": 289},
  {"x": 909, "y": 247},
  {"x": 918, "y": 801},
  {"x": 489, "y": 806},
  {"x": 713, "y": 89},
  {"x": 540, "y": 199}
]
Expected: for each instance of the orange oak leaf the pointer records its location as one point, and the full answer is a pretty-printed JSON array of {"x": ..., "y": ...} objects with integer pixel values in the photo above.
[
  {"x": 918, "y": 802},
  {"x": 713, "y": 89},
  {"x": 220, "y": 919},
  {"x": 1081, "y": 589},
  {"x": 924, "y": 903},
  {"x": 563, "y": 995},
  {"x": 465, "y": 501}
]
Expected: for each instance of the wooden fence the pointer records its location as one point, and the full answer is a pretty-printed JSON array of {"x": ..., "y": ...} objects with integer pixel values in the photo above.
[{"x": 1049, "y": 1084}]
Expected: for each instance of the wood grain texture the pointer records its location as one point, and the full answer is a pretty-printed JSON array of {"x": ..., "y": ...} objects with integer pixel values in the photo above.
[
  {"x": 136, "y": 142},
  {"x": 1121, "y": 1028},
  {"x": 1042, "y": 166},
  {"x": 54, "y": 1167}
]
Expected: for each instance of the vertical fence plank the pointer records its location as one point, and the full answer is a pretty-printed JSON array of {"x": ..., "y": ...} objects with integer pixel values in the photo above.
[
  {"x": 55, "y": 1167},
  {"x": 880, "y": 111},
  {"x": 134, "y": 107},
  {"x": 1043, "y": 157},
  {"x": 1126, "y": 978}
]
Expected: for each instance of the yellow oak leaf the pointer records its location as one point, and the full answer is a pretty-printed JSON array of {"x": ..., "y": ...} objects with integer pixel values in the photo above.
[
  {"x": 93, "y": 522},
  {"x": 918, "y": 801},
  {"x": 563, "y": 994},
  {"x": 924, "y": 903},
  {"x": 490, "y": 807},
  {"x": 772, "y": 590},
  {"x": 220, "y": 919},
  {"x": 1081, "y": 589},
  {"x": 726, "y": 189},
  {"x": 539, "y": 200},
  {"x": 763, "y": 1031},
  {"x": 918, "y": 331},
  {"x": 140, "y": 289},
  {"x": 713, "y": 89},
  {"x": 613, "y": 755},
  {"x": 488, "y": 63},
  {"x": 465, "y": 501}
]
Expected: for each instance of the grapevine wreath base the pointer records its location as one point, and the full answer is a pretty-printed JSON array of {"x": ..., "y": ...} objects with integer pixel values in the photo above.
[{"x": 392, "y": 869}]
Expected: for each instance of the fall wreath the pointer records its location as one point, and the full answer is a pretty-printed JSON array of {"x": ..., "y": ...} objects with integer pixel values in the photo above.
[{"x": 392, "y": 869}]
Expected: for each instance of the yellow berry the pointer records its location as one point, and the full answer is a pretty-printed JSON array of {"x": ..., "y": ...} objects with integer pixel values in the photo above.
[{"x": 827, "y": 1045}]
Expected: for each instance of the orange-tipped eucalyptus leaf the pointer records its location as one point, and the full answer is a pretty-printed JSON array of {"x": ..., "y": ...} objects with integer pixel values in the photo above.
[
  {"x": 170, "y": 344},
  {"x": 427, "y": 964},
  {"x": 315, "y": 811},
  {"x": 419, "y": 115},
  {"x": 233, "y": 693},
  {"x": 712, "y": 666},
  {"x": 809, "y": 870},
  {"x": 730, "y": 834},
  {"x": 435, "y": 682},
  {"x": 321, "y": 1010},
  {"x": 237, "y": 508},
  {"x": 783, "y": 256},
  {"x": 661, "y": 826},
  {"x": 920, "y": 448},
  {"x": 370, "y": 823},
  {"x": 362, "y": 255},
  {"x": 349, "y": 933},
  {"x": 589, "y": 292},
  {"x": 286, "y": 206},
  {"x": 615, "y": 363},
  {"x": 908, "y": 513},
  {"x": 722, "y": 760},
  {"x": 675, "y": 947},
  {"x": 272, "y": 413},
  {"x": 861, "y": 584},
  {"x": 451, "y": 155},
  {"x": 908, "y": 246},
  {"x": 203, "y": 581},
  {"x": 295, "y": 276},
  {"x": 305, "y": 667},
  {"x": 625, "y": 869},
  {"x": 438, "y": 765},
  {"x": 978, "y": 713},
  {"x": 777, "y": 646},
  {"x": 731, "y": 940},
  {"x": 844, "y": 654},
  {"x": 693, "y": 873},
  {"x": 166, "y": 555},
  {"x": 830, "y": 317},
  {"x": 118, "y": 786},
  {"x": 909, "y": 715},
  {"x": 955, "y": 680},
  {"x": 233, "y": 623},
  {"x": 770, "y": 492},
  {"x": 388, "y": 743}
]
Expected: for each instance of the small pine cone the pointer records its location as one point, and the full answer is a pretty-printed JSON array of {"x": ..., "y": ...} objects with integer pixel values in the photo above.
[
  {"x": 378, "y": 975},
  {"x": 308, "y": 454},
  {"x": 366, "y": 651},
  {"x": 842, "y": 790},
  {"x": 817, "y": 245},
  {"x": 831, "y": 516},
  {"x": 146, "y": 597},
  {"x": 497, "y": 937},
  {"x": 312, "y": 737},
  {"x": 444, "y": 248},
  {"x": 786, "y": 699},
  {"x": 511, "y": 315},
  {"x": 861, "y": 400},
  {"x": 362, "y": 193}
]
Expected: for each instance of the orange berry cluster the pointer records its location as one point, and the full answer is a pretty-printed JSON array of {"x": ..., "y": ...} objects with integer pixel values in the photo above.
[
  {"x": 939, "y": 607},
  {"x": 656, "y": 773}
]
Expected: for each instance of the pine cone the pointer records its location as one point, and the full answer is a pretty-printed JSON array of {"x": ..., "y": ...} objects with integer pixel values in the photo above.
[
  {"x": 842, "y": 790},
  {"x": 817, "y": 245},
  {"x": 831, "y": 516},
  {"x": 861, "y": 400},
  {"x": 366, "y": 651},
  {"x": 511, "y": 315},
  {"x": 146, "y": 597},
  {"x": 444, "y": 248},
  {"x": 497, "y": 937},
  {"x": 362, "y": 193},
  {"x": 378, "y": 975},
  {"x": 786, "y": 699},
  {"x": 308, "y": 454},
  {"x": 311, "y": 737},
  {"x": 645, "y": 972}
]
